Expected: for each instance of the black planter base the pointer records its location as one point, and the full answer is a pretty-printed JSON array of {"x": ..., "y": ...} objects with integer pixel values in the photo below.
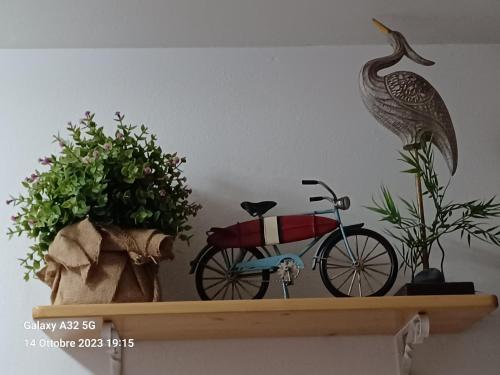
[{"x": 427, "y": 289}]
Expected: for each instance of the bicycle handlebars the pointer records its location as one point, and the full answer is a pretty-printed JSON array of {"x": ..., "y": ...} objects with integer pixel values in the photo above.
[
  {"x": 316, "y": 182},
  {"x": 342, "y": 203},
  {"x": 309, "y": 182}
]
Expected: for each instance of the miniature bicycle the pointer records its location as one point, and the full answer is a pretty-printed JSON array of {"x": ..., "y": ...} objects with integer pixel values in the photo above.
[{"x": 236, "y": 262}]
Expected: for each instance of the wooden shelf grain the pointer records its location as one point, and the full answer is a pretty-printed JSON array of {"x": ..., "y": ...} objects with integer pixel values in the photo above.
[{"x": 278, "y": 318}]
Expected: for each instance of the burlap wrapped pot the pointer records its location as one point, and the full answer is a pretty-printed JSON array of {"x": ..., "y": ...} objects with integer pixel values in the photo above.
[{"x": 104, "y": 264}]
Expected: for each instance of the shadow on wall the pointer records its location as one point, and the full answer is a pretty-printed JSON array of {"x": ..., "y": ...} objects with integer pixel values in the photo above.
[
  {"x": 262, "y": 356},
  {"x": 244, "y": 357},
  {"x": 95, "y": 360}
]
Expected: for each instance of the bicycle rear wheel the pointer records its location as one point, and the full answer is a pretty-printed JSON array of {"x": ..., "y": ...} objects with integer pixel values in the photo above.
[
  {"x": 215, "y": 279},
  {"x": 373, "y": 271}
]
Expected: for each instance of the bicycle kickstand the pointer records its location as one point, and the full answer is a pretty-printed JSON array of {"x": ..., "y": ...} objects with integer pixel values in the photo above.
[
  {"x": 285, "y": 284},
  {"x": 286, "y": 274}
]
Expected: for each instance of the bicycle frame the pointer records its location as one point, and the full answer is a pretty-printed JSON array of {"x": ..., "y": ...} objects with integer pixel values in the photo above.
[
  {"x": 271, "y": 262},
  {"x": 256, "y": 239}
]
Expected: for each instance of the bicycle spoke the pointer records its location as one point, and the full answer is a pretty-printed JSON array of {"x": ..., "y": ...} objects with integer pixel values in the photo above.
[
  {"x": 330, "y": 265},
  {"x": 238, "y": 291},
  {"x": 250, "y": 283},
  {"x": 247, "y": 275},
  {"x": 225, "y": 291},
  {"x": 372, "y": 250},
  {"x": 368, "y": 282},
  {"x": 344, "y": 254},
  {"x": 226, "y": 258},
  {"x": 214, "y": 284},
  {"x": 357, "y": 254},
  {"x": 341, "y": 260},
  {"x": 380, "y": 264},
  {"x": 364, "y": 247},
  {"x": 367, "y": 273},
  {"x": 375, "y": 256},
  {"x": 243, "y": 253},
  {"x": 255, "y": 279},
  {"x": 220, "y": 265},
  {"x": 245, "y": 289},
  {"x": 215, "y": 270},
  {"x": 352, "y": 282},
  {"x": 214, "y": 278},
  {"x": 360, "y": 289},
  {"x": 340, "y": 274},
  {"x": 220, "y": 290},
  {"x": 377, "y": 271},
  {"x": 341, "y": 285}
]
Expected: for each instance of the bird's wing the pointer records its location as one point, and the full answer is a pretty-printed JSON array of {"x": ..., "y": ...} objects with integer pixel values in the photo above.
[{"x": 417, "y": 95}]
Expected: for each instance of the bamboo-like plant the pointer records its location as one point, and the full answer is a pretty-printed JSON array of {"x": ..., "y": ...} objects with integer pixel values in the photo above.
[{"x": 415, "y": 237}]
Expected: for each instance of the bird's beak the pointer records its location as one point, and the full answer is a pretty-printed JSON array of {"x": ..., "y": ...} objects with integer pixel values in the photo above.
[
  {"x": 380, "y": 26},
  {"x": 415, "y": 56}
]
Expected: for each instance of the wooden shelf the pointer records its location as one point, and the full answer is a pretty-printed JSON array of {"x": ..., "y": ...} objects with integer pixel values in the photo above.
[{"x": 277, "y": 318}]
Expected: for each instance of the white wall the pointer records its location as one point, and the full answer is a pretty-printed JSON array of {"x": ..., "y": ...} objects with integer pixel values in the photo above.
[{"x": 252, "y": 123}]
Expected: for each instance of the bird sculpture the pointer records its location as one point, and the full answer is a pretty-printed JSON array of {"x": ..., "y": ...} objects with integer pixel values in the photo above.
[{"x": 406, "y": 103}]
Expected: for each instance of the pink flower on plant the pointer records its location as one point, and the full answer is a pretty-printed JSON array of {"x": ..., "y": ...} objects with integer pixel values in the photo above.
[
  {"x": 162, "y": 193},
  {"x": 119, "y": 135},
  {"x": 106, "y": 146},
  {"x": 119, "y": 116},
  {"x": 14, "y": 218},
  {"x": 45, "y": 160},
  {"x": 95, "y": 154},
  {"x": 31, "y": 178},
  {"x": 175, "y": 160},
  {"x": 87, "y": 114},
  {"x": 147, "y": 170}
]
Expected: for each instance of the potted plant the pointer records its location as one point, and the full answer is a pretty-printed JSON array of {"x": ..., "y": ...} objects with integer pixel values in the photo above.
[
  {"x": 101, "y": 195},
  {"x": 417, "y": 237}
]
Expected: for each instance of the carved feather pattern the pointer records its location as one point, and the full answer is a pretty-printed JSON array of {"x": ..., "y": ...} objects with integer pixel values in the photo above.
[{"x": 409, "y": 87}]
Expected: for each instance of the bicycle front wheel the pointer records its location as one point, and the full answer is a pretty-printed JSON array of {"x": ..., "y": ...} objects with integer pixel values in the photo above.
[
  {"x": 371, "y": 273},
  {"x": 215, "y": 279}
]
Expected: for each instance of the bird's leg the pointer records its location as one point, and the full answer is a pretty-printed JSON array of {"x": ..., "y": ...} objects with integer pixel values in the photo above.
[{"x": 420, "y": 201}]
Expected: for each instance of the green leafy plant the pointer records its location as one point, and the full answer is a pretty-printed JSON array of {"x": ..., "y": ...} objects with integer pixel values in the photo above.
[
  {"x": 125, "y": 180},
  {"x": 468, "y": 218}
]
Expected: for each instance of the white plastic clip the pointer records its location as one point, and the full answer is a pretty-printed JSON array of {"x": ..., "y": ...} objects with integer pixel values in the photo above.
[
  {"x": 111, "y": 337},
  {"x": 414, "y": 332}
]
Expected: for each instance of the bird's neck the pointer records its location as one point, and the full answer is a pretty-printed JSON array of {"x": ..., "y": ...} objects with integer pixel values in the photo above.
[{"x": 372, "y": 67}]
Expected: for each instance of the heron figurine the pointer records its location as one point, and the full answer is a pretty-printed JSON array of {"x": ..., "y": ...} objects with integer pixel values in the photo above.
[
  {"x": 405, "y": 102},
  {"x": 410, "y": 107}
]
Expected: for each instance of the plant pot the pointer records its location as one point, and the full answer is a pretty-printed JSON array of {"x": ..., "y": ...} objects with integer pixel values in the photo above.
[
  {"x": 429, "y": 289},
  {"x": 104, "y": 264},
  {"x": 431, "y": 282}
]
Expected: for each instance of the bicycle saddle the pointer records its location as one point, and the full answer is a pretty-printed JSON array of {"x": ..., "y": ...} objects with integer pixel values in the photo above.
[{"x": 258, "y": 208}]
